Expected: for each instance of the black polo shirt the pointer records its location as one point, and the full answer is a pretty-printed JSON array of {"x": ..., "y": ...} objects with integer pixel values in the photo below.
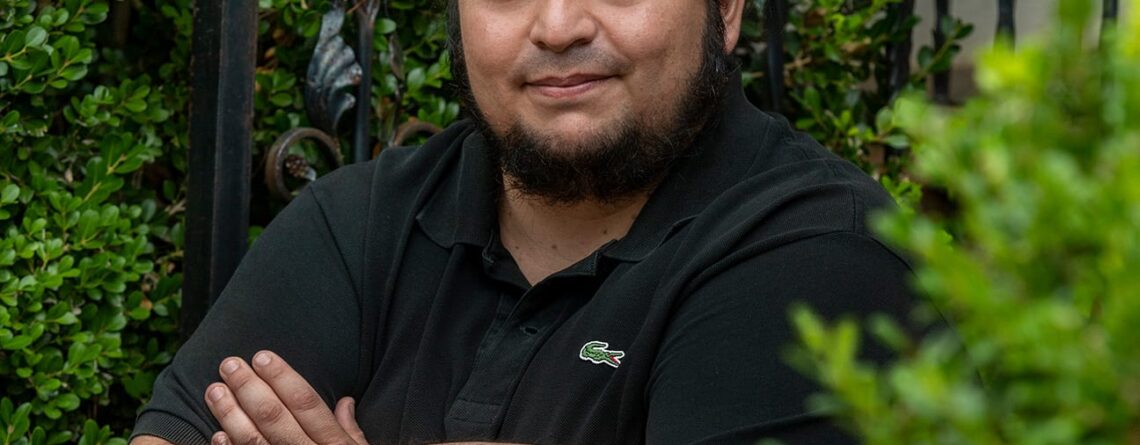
[{"x": 386, "y": 281}]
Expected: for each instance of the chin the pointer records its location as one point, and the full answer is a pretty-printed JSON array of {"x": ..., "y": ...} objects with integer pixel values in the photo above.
[{"x": 573, "y": 136}]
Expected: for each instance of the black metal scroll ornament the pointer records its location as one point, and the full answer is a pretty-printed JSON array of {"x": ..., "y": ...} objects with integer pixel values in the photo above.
[{"x": 332, "y": 70}]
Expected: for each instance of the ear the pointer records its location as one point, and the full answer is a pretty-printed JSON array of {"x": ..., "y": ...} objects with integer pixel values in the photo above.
[{"x": 732, "y": 12}]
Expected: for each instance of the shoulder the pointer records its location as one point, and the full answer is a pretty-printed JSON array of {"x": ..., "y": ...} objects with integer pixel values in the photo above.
[
  {"x": 807, "y": 180},
  {"x": 794, "y": 189},
  {"x": 796, "y": 198},
  {"x": 395, "y": 169},
  {"x": 393, "y": 181}
]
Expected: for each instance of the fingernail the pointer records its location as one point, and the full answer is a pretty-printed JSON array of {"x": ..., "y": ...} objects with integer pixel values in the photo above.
[
  {"x": 220, "y": 439},
  {"x": 261, "y": 359},
  {"x": 216, "y": 393},
  {"x": 229, "y": 366},
  {"x": 352, "y": 407}
]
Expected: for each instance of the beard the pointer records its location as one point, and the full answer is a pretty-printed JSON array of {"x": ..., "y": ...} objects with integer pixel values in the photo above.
[{"x": 628, "y": 158}]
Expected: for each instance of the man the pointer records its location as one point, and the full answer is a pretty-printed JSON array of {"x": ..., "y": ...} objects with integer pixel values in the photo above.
[{"x": 604, "y": 253}]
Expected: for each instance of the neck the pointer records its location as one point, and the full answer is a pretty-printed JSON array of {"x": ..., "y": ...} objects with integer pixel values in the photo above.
[{"x": 545, "y": 238}]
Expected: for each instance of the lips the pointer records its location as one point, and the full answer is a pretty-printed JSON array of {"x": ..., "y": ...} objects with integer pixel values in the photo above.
[
  {"x": 565, "y": 87},
  {"x": 568, "y": 81}
]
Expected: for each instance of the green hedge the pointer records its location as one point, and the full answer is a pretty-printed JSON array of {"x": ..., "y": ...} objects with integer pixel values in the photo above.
[
  {"x": 89, "y": 211},
  {"x": 93, "y": 140}
]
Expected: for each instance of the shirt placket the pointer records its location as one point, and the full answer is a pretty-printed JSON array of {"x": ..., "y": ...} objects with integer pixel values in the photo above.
[{"x": 524, "y": 319}]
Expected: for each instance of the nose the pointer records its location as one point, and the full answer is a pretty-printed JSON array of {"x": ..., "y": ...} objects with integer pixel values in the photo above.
[{"x": 562, "y": 24}]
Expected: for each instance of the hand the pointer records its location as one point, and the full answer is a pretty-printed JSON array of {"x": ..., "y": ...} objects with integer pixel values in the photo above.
[{"x": 269, "y": 403}]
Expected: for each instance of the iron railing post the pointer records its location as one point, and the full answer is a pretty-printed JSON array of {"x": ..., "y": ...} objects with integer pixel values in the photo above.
[
  {"x": 221, "y": 101},
  {"x": 941, "y": 79},
  {"x": 1111, "y": 9},
  {"x": 899, "y": 52},
  {"x": 365, "y": 26},
  {"x": 1005, "y": 20},
  {"x": 775, "y": 20}
]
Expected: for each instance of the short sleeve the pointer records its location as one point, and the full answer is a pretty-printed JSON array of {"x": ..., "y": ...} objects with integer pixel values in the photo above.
[
  {"x": 721, "y": 375},
  {"x": 291, "y": 294}
]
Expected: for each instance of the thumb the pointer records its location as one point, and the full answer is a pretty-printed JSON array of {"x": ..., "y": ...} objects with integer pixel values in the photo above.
[{"x": 346, "y": 416}]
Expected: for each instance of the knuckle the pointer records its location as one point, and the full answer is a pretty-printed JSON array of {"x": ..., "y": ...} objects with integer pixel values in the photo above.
[
  {"x": 268, "y": 412},
  {"x": 306, "y": 400},
  {"x": 225, "y": 408},
  {"x": 239, "y": 380}
]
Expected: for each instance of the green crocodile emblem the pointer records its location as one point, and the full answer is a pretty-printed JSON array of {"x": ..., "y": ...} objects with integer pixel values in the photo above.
[{"x": 595, "y": 352}]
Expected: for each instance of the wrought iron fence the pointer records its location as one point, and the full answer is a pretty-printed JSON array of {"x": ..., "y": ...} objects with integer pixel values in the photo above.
[{"x": 222, "y": 111}]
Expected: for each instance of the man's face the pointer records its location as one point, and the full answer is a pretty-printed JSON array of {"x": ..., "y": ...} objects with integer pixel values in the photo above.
[{"x": 589, "y": 98}]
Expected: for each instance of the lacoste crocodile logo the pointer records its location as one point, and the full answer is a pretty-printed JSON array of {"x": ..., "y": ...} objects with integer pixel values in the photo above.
[{"x": 595, "y": 352}]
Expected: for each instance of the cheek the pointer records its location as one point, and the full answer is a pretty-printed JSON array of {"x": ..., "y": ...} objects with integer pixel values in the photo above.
[
  {"x": 666, "y": 46},
  {"x": 666, "y": 67},
  {"x": 489, "y": 51}
]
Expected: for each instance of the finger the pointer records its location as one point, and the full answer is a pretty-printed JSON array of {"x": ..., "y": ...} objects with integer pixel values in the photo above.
[
  {"x": 346, "y": 417},
  {"x": 303, "y": 402},
  {"x": 220, "y": 438},
  {"x": 238, "y": 427},
  {"x": 257, "y": 399}
]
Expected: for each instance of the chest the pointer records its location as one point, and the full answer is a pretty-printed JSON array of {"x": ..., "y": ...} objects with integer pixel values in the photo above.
[{"x": 466, "y": 352}]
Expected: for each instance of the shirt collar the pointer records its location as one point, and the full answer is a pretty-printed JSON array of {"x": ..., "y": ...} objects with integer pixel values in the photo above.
[{"x": 463, "y": 207}]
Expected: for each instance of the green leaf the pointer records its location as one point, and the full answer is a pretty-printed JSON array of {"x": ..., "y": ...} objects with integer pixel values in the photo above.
[
  {"x": 925, "y": 54},
  {"x": 39, "y": 436},
  {"x": 34, "y": 87},
  {"x": 897, "y": 141},
  {"x": 17, "y": 343},
  {"x": 20, "y": 421},
  {"x": 416, "y": 79},
  {"x": 809, "y": 327},
  {"x": 21, "y": 64},
  {"x": 83, "y": 56},
  {"x": 74, "y": 73},
  {"x": 67, "y": 319},
  {"x": 67, "y": 402},
  {"x": 96, "y": 13},
  {"x": 36, "y": 37},
  {"x": 68, "y": 46},
  {"x": 9, "y": 194},
  {"x": 281, "y": 99},
  {"x": 385, "y": 26}
]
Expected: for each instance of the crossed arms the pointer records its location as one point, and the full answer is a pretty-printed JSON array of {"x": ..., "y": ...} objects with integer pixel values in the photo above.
[{"x": 267, "y": 402}]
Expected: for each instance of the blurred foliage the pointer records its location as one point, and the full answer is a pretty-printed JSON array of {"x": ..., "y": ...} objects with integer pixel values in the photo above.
[
  {"x": 837, "y": 78},
  {"x": 93, "y": 142},
  {"x": 1037, "y": 269}
]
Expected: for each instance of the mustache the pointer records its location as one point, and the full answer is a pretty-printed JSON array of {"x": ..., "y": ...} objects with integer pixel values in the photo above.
[{"x": 578, "y": 59}]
